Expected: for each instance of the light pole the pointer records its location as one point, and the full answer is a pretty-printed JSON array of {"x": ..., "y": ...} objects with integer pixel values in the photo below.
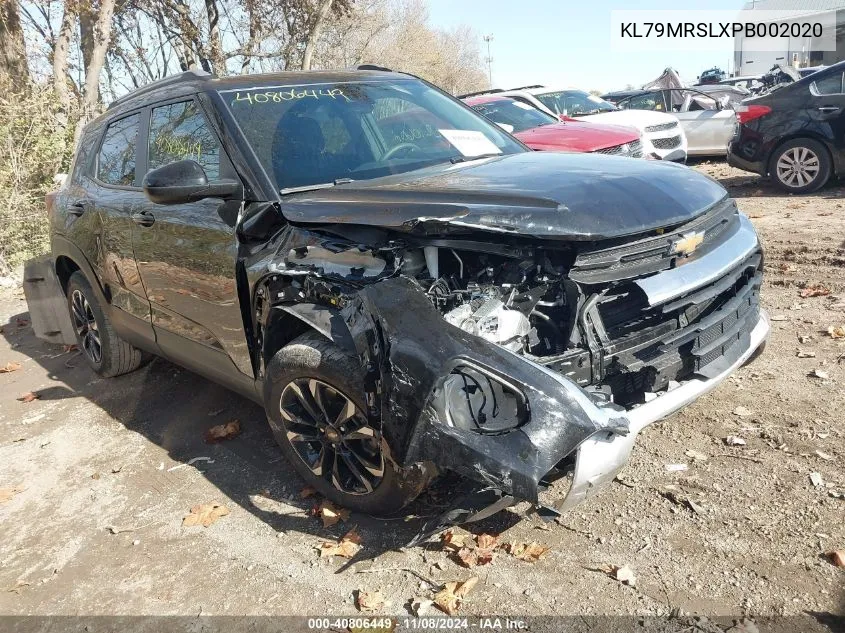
[{"x": 489, "y": 60}]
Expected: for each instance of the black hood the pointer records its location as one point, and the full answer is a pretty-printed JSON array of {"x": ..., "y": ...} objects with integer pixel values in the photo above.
[{"x": 542, "y": 194}]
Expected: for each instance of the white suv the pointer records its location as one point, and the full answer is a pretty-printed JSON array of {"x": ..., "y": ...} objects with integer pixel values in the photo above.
[{"x": 661, "y": 132}]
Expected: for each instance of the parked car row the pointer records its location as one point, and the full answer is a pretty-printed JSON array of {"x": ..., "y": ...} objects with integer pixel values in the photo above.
[
  {"x": 406, "y": 288},
  {"x": 660, "y": 134},
  {"x": 706, "y": 113}
]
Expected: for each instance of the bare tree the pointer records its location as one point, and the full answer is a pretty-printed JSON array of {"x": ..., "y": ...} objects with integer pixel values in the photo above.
[
  {"x": 314, "y": 33},
  {"x": 14, "y": 72}
]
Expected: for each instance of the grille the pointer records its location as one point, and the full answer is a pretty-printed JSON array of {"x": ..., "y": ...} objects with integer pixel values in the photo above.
[
  {"x": 667, "y": 143},
  {"x": 703, "y": 333},
  {"x": 626, "y": 259},
  {"x": 662, "y": 127},
  {"x": 634, "y": 149}
]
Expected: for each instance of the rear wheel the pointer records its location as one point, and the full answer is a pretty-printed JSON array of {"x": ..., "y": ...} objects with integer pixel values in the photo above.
[
  {"x": 800, "y": 166},
  {"x": 314, "y": 401},
  {"x": 106, "y": 353}
]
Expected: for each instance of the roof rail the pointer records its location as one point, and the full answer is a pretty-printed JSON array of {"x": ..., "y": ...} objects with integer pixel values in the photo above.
[
  {"x": 162, "y": 83},
  {"x": 491, "y": 91},
  {"x": 529, "y": 87},
  {"x": 373, "y": 67}
]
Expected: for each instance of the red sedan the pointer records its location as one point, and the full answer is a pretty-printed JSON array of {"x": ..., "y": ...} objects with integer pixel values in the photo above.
[{"x": 543, "y": 132}]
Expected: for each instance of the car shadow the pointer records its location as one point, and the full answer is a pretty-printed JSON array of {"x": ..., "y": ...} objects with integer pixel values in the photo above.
[{"x": 173, "y": 408}]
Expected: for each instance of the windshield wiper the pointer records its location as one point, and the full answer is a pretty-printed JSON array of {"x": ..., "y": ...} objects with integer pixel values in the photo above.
[
  {"x": 315, "y": 187},
  {"x": 464, "y": 159}
]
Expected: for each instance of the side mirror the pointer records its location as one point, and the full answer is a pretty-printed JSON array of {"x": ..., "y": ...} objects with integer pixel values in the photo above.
[{"x": 185, "y": 181}]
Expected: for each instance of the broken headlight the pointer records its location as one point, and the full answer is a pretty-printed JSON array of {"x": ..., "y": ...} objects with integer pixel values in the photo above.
[{"x": 477, "y": 399}]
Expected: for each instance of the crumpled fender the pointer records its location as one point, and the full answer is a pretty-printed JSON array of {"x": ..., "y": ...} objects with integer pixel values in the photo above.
[{"x": 408, "y": 350}]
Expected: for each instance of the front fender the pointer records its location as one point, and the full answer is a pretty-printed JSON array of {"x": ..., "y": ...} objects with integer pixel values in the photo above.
[{"x": 409, "y": 351}]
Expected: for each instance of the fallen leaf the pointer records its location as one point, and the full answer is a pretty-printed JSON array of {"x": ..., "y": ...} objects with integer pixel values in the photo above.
[
  {"x": 346, "y": 547},
  {"x": 420, "y": 606},
  {"x": 816, "y": 480},
  {"x": 814, "y": 290},
  {"x": 696, "y": 455},
  {"x": 331, "y": 514},
  {"x": 733, "y": 440},
  {"x": 742, "y": 411},
  {"x": 205, "y": 514},
  {"x": 6, "y": 494},
  {"x": 306, "y": 492},
  {"x": 452, "y": 539},
  {"x": 529, "y": 552},
  {"x": 486, "y": 541},
  {"x": 29, "y": 397},
  {"x": 837, "y": 557},
  {"x": 625, "y": 575},
  {"x": 370, "y": 601},
  {"x": 475, "y": 556},
  {"x": 9, "y": 368},
  {"x": 819, "y": 373},
  {"x": 449, "y": 598},
  {"x": 837, "y": 331},
  {"x": 222, "y": 432}
]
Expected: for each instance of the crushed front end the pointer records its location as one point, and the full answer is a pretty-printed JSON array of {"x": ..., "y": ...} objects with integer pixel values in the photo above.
[{"x": 518, "y": 361}]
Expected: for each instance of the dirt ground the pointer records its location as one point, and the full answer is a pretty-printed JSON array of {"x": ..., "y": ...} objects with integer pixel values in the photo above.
[{"x": 100, "y": 468}]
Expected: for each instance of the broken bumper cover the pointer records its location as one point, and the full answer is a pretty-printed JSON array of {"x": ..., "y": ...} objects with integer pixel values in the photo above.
[{"x": 600, "y": 458}]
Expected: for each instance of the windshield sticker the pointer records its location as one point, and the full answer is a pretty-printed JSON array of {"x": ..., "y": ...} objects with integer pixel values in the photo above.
[
  {"x": 279, "y": 96},
  {"x": 470, "y": 142}
]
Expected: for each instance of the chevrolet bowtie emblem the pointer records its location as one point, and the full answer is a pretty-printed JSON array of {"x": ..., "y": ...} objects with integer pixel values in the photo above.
[{"x": 687, "y": 243}]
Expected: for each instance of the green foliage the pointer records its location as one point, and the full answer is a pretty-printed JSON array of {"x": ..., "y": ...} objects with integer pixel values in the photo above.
[{"x": 35, "y": 145}]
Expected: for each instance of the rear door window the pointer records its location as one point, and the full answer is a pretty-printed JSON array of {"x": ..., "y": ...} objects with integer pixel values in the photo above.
[
  {"x": 116, "y": 160},
  {"x": 830, "y": 85},
  {"x": 179, "y": 131}
]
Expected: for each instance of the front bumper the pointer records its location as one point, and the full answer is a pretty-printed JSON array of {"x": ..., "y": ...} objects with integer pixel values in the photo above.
[{"x": 600, "y": 458}]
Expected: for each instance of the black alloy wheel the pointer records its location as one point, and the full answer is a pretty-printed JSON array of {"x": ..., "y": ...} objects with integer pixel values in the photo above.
[
  {"x": 87, "y": 330},
  {"x": 331, "y": 435}
]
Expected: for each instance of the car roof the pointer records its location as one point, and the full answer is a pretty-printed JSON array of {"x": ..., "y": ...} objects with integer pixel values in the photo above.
[
  {"x": 193, "y": 81},
  {"x": 488, "y": 98}
]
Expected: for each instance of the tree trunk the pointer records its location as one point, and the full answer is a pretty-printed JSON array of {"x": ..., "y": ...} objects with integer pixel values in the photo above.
[
  {"x": 314, "y": 35},
  {"x": 91, "y": 91},
  {"x": 215, "y": 52},
  {"x": 60, "y": 63},
  {"x": 87, "y": 36},
  {"x": 14, "y": 72}
]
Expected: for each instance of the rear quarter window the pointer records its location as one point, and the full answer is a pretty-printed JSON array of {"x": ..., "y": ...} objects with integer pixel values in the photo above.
[{"x": 118, "y": 152}]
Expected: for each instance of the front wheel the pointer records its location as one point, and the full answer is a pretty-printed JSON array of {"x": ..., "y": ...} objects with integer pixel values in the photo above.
[
  {"x": 800, "y": 166},
  {"x": 314, "y": 402}
]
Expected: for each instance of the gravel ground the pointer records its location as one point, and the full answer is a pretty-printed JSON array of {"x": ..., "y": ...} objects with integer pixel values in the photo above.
[{"x": 95, "y": 523}]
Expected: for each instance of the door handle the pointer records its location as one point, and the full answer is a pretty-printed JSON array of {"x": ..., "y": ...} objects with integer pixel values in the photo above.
[
  {"x": 828, "y": 109},
  {"x": 77, "y": 208},
  {"x": 143, "y": 218}
]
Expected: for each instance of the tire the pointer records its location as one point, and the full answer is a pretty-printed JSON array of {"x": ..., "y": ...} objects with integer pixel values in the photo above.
[
  {"x": 801, "y": 165},
  {"x": 310, "y": 365},
  {"x": 104, "y": 351}
]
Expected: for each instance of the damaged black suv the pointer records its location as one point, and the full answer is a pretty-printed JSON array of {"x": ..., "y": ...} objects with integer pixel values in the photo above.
[{"x": 407, "y": 289}]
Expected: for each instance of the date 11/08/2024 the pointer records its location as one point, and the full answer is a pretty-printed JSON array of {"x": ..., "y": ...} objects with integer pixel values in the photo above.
[{"x": 379, "y": 623}]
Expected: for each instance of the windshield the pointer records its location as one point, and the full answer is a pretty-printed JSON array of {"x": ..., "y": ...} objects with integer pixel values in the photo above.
[
  {"x": 575, "y": 103},
  {"x": 322, "y": 133},
  {"x": 518, "y": 115}
]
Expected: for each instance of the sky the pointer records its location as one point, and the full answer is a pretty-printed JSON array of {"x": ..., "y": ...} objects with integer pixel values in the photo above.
[{"x": 566, "y": 43}]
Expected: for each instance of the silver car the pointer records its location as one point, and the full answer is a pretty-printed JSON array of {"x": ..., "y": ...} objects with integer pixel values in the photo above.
[{"x": 706, "y": 113}]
